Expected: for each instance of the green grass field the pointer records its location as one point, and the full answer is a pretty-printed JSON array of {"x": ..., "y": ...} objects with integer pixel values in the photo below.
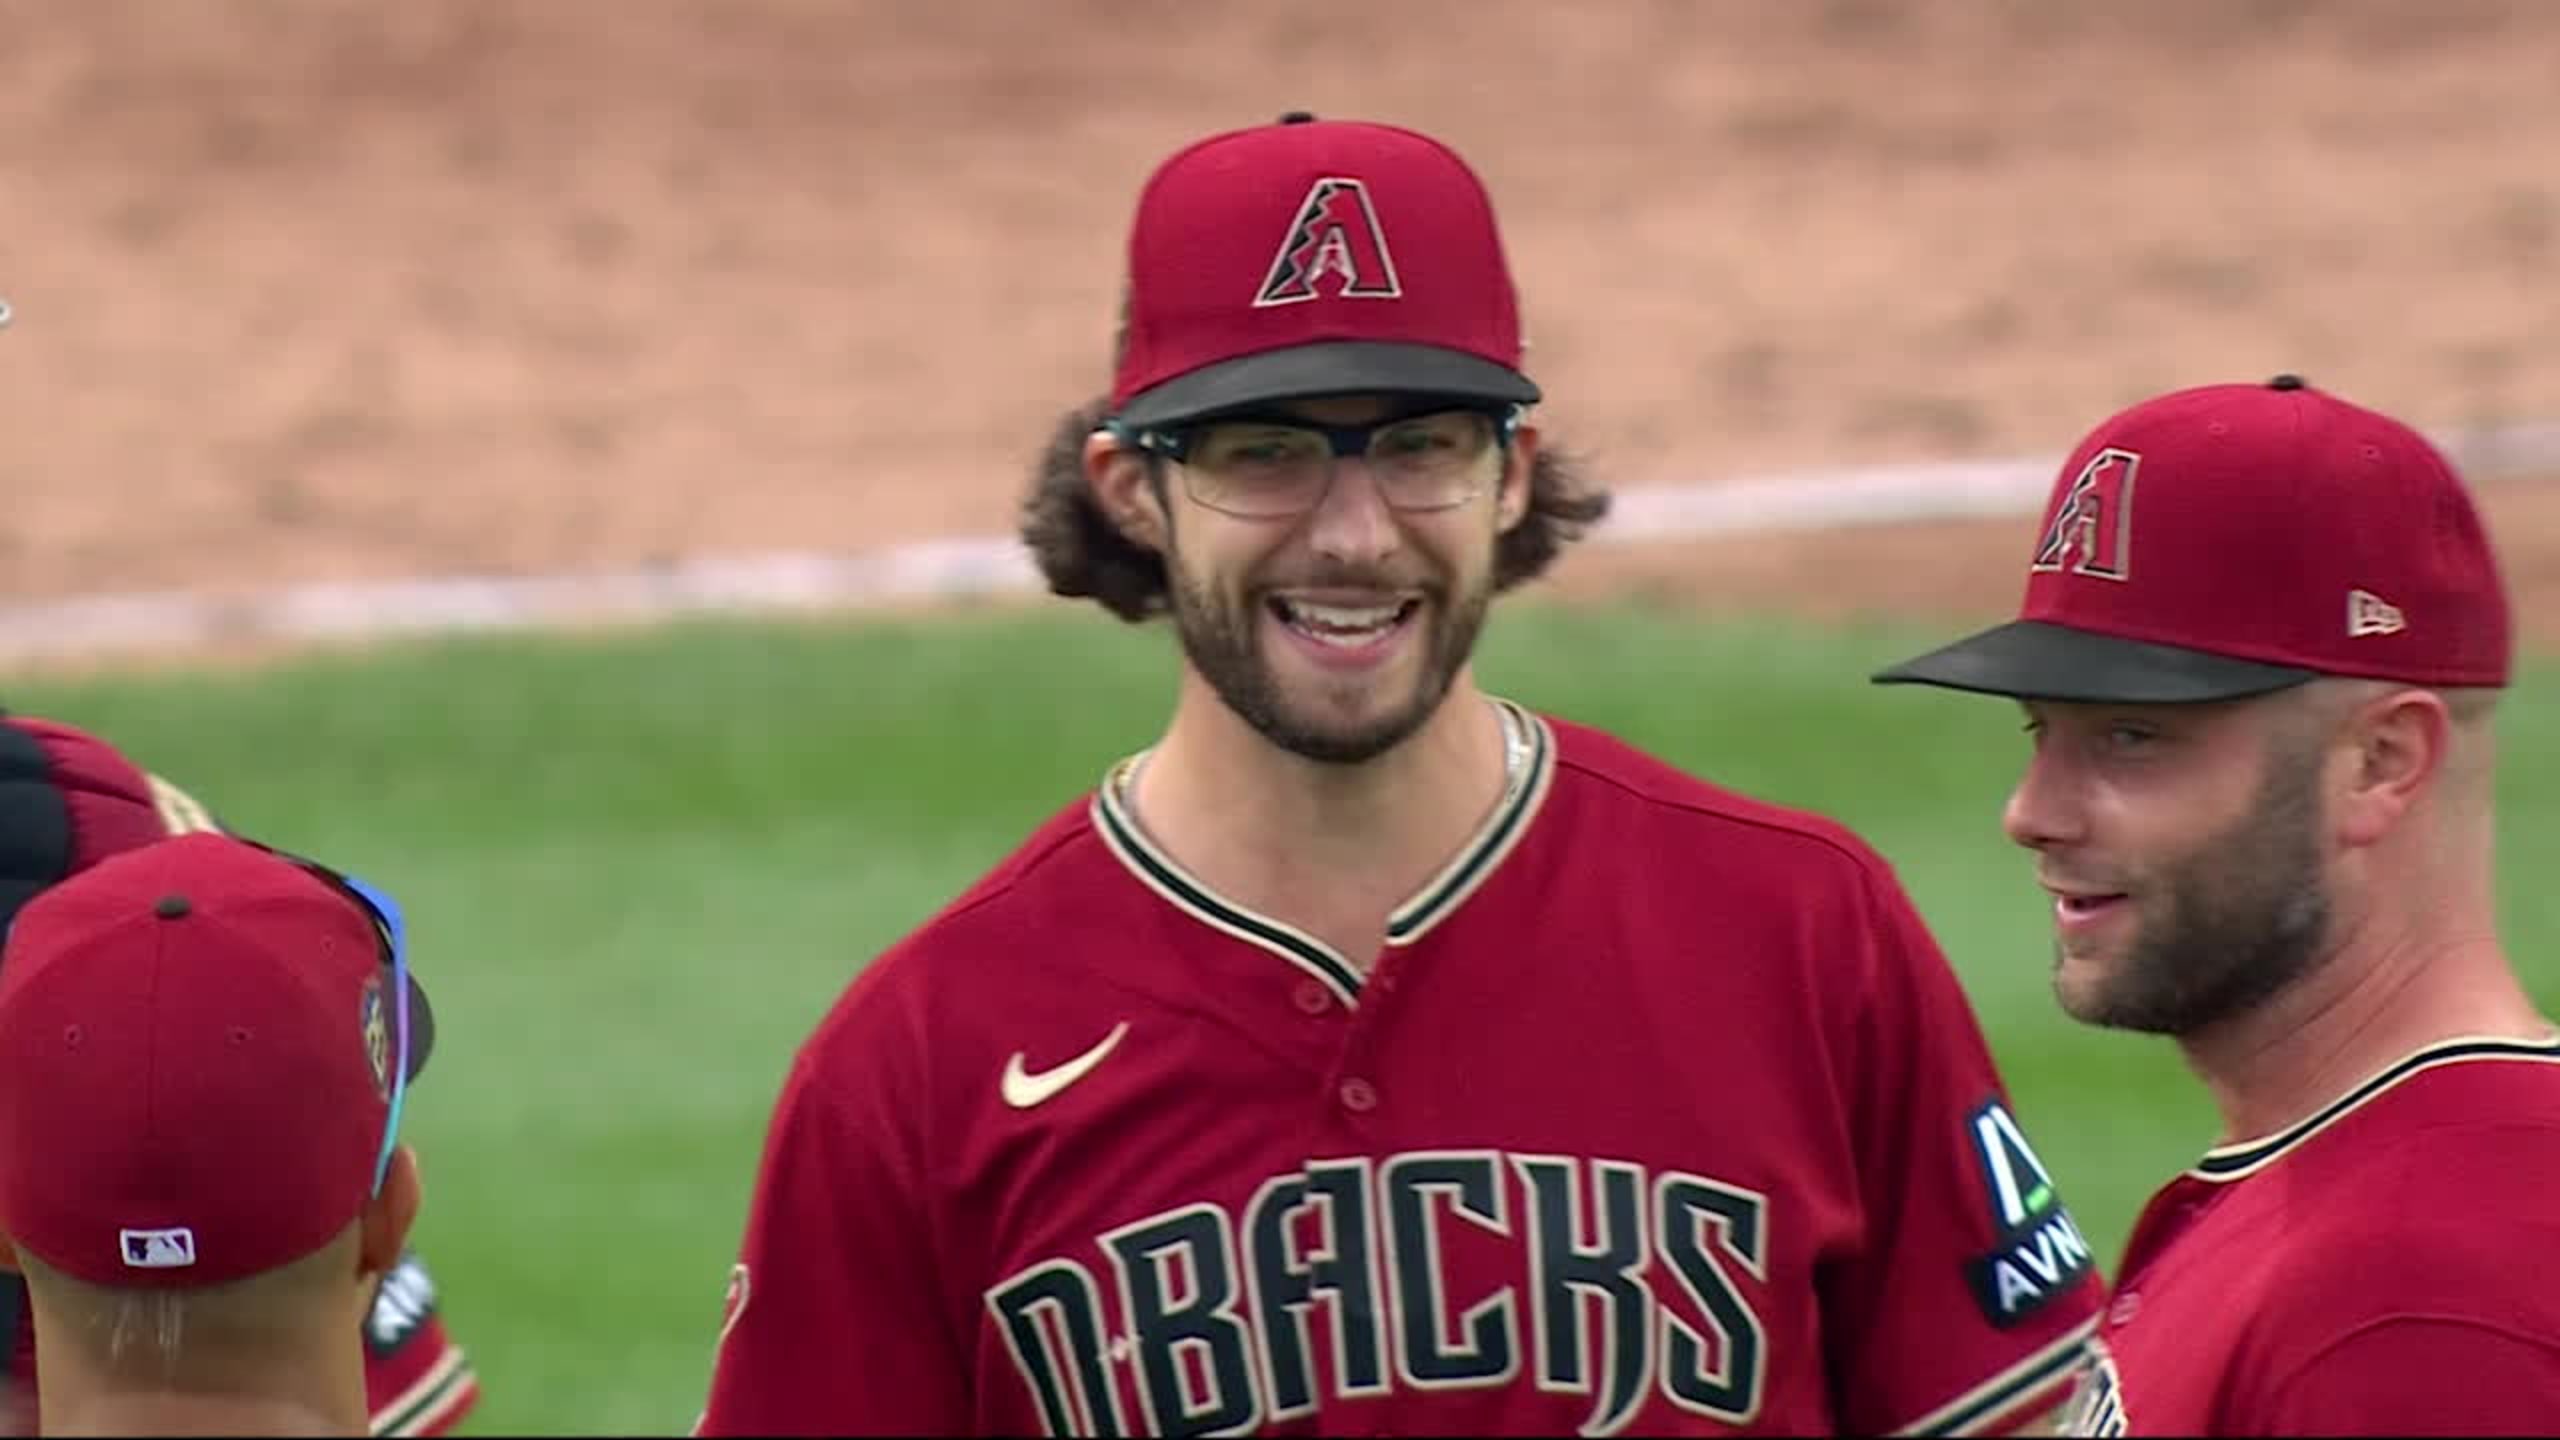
[{"x": 639, "y": 865}]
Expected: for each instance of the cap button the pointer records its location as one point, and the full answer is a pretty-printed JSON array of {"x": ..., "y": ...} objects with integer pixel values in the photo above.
[
  {"x": 2287, "y": 382},
  {"x": 170, "y": 907},
  {"x": 1298, "y": 117}
]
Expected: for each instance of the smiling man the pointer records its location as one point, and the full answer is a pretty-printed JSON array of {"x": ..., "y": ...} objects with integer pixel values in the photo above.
[
  {"x": 2263, "y": 636},
  {"x": 1372, "y": 1054}
]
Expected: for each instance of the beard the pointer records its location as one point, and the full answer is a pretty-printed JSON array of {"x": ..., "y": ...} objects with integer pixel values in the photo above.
[
  {"x": 1223, "y": 641},
  {"x": 2236, "y": 921}
]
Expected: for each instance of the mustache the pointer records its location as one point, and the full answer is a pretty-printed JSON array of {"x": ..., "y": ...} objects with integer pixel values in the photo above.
[{"x": 1339, "y": 578}]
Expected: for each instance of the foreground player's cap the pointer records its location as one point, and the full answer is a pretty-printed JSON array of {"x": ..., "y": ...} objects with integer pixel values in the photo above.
[
  {"x": 2232, "y": 540},
  {"x": 197, "y": 1046},
  {"x": 1314, "y": 257},
  {"x": 69, "y": 800}
]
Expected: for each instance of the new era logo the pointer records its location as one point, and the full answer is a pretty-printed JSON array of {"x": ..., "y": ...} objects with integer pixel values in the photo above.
[
  {"x": 159, "y": 1249},
  {"x": 2370, "y": 614}
]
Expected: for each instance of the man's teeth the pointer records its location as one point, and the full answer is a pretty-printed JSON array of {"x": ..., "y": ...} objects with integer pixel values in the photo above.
[
  {"x": 1343, "y": 624},
  {"x": 1334, "y": 617}
]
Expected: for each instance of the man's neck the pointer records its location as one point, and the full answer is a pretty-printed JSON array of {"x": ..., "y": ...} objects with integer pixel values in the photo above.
[
  {"x": 2373, "y": 1002},
  {"x": 308, "y": 1381},
  {"x": 1330, "y": 848},
  {"x": 175, "y": 1413}
]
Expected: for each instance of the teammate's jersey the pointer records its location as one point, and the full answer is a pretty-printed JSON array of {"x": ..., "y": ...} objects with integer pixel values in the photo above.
[
  {"x": 67, "y": 801},
  {"x": 2382, "y": 1268},
  {"x": 1659, "y": 1112}
]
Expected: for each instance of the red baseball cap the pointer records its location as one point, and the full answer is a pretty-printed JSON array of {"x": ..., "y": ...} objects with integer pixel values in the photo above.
[
  {"x": 2232, "y": 540},
  {"x": 1314, "y": 257},
  {"x": 69, "y": 800},
  {"x": 196, "y": 1055}
]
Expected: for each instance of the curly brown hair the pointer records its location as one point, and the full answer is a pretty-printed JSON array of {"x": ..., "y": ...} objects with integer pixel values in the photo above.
[{"x": 1083, "y": 554}]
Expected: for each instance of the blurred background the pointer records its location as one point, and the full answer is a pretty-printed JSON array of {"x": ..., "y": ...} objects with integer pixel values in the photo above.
[{"x": 323, "y": 291}]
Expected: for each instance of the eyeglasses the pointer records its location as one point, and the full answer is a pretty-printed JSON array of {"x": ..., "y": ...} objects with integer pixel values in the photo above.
[
  {"x": 1259, "y": 467},
  {"x": 392, "y": 934}
]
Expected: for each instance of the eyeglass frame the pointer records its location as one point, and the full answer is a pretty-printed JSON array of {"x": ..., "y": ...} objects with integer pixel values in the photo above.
[
  {"x": 1173, "y": 443},
  {"x": 392, "y": 933}
]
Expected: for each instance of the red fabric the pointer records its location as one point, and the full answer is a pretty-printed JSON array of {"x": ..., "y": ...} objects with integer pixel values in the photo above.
[
  {"x": 1284, "y": 235},
  {"x": 1661, "y": 1118},
  {"x": 184, "y": 1041},
  {"x": 2160, "y": 523},
  {"x": 2379, "y": 1275}
]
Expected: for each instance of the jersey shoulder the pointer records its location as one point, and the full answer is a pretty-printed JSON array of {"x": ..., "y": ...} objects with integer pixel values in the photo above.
[
  {"x": 2425, "y": 1206},
  {"x": 1021, "y": 913},
  {"x": 1614, "y": 784}
]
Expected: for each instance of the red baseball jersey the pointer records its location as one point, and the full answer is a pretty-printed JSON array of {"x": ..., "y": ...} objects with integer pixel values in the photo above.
[
  {"x": 2379, "y": 1269},
  {"x": 1658, "y": 1112}
]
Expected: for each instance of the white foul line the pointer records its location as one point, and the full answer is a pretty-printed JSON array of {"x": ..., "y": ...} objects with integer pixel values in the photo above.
[{"x": 974, "y": 567}]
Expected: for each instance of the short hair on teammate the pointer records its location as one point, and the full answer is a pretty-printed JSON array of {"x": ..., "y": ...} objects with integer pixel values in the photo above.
[
  {"x": 1083, "y": 555},
  {"x": 158, "y": 1336}
]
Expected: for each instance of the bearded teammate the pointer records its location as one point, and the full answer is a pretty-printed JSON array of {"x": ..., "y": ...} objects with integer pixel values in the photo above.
[
  {"x": 2263, "y": 636},
  {"x": 68, "y": 800},
  {"x": 1372, "y": 1054}
]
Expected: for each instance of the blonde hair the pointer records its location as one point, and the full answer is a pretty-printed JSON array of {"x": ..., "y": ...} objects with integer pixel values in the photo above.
[{"x": 172, "y": 1338}]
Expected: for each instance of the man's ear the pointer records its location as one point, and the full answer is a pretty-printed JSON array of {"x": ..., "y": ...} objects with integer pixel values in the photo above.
[
  {"x": 1117, "y": 474},
  {"x": 2395, "y": 751},
  {"x": 388, "y": 1216},
  {"x": 1519, "y": 465}
]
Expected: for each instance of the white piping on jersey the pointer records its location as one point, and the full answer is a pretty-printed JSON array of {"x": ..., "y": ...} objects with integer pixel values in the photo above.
[
  {"x": 2241, "y": 1159},
  {"x": 1994, "y": 1400},
  {"x": 432, "y": 1399},
  {"x": 1529, "y": 765}
]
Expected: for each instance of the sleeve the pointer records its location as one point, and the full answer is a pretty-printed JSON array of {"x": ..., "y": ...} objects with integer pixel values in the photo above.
[
  {"x": 417, "y": 1381},
  {"x": 2419, "y": 1375},
  {"x": 834, "y": 1322},
  {"x": 1969, "y": 1308}
]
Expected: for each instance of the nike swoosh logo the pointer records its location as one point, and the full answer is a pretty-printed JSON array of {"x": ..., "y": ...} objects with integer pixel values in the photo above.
[{"x": 1022, "y": 1089}]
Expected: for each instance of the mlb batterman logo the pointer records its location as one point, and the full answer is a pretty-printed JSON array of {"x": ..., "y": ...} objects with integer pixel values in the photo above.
[
  {"x": 2092, "y": 528},
  {"x": 1334, "y": 233},
  {"x": 168, "y": 1249}
]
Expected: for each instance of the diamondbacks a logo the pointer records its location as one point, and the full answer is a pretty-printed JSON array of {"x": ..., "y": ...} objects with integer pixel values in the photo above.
[
  {"x": 373, "y": 1018},
  {"x": 2092, "y": 528},
  {"x": 1335, "y": 233},
  {"x": 2370, "y": 614},
  {"x": 2040, "y": 1252}
]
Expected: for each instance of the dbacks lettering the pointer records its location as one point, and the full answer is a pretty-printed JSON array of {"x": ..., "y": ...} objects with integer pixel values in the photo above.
[
  {"x": 1634, "y": 1285},
  {"x": 2091, "y": 532}
]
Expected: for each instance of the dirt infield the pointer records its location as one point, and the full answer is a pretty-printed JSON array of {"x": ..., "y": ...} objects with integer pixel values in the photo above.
[{"x": 312, "y": 289}]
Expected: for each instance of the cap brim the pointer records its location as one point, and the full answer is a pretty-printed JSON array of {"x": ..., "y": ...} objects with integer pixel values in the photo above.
[
  {"x": 422, "y": 1027},
  {"x": 1332, "y": 367},
  {"x": 2037, "y": 660}
]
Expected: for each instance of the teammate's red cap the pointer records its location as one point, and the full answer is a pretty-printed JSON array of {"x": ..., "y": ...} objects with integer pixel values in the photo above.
[
  {"x": 196, "y": 1045},
  {"x": 1313, "y": 257},
  {"x": 69, "y": 800},
  {"x": 2230, "y": 540}
]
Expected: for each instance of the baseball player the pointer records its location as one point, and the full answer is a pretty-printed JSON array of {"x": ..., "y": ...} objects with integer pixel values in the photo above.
[
  {"x": 68, "y": 801},
  {"x": 2262, "y": 638},
  {"x": 1372, "y": 1054},
  {"x": 204, "y": 1050}
]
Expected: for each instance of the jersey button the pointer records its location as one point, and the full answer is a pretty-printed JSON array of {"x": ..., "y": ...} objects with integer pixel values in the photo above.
[
  {"x": 1313, "y": 998},
  {"x": 1359, "y": 1095}
]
